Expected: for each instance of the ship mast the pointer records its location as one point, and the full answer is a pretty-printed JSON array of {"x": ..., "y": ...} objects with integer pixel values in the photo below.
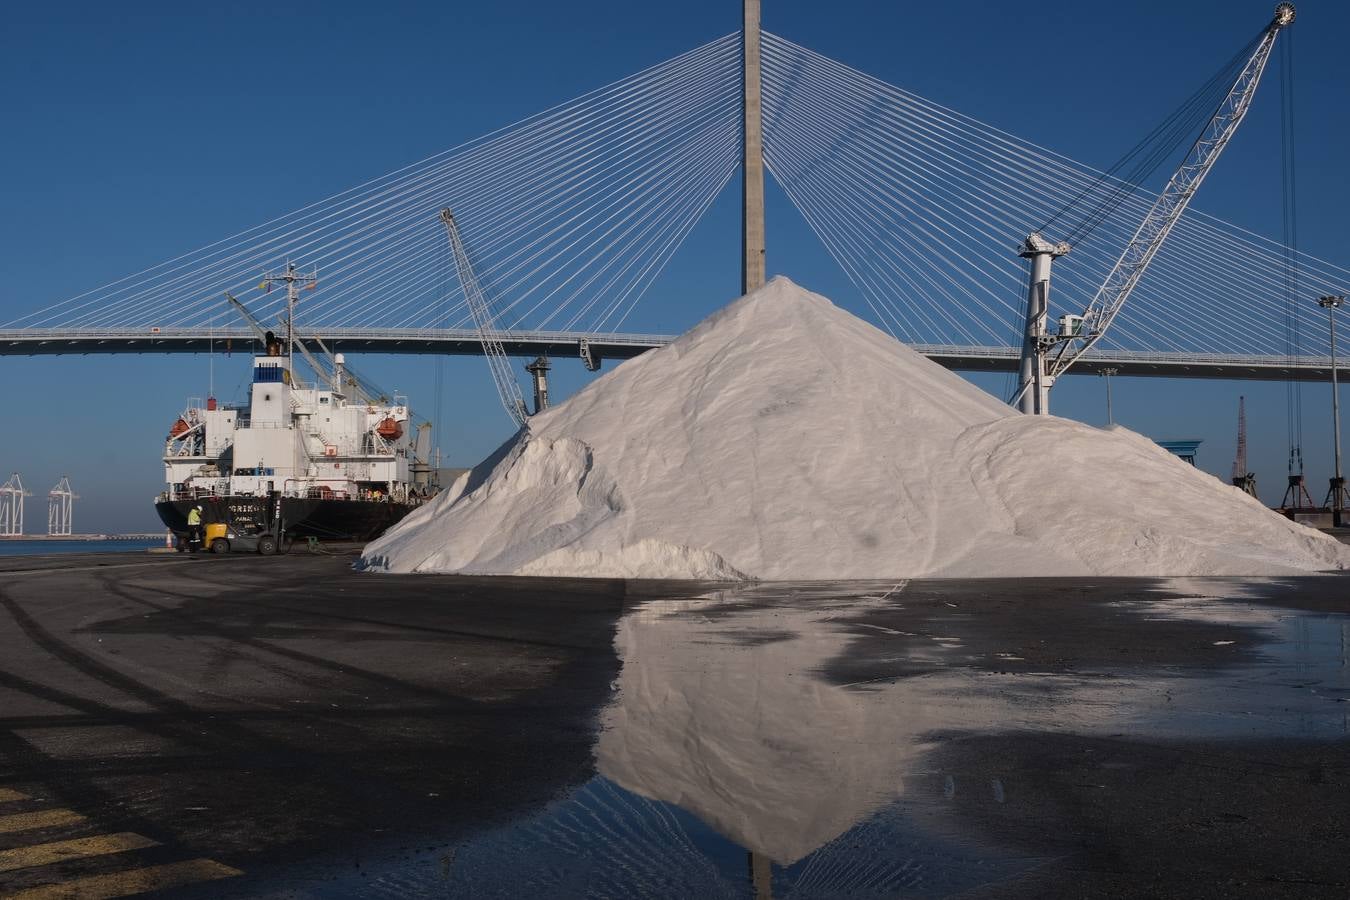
[{"x": 293, "y": 280}]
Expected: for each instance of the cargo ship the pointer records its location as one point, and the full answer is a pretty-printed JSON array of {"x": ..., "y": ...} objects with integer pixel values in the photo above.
[{"x": 344, "y": 465}]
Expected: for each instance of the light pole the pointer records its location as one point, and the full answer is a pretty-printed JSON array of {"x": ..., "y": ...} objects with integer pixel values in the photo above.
[
  {"x": 1337, "y": 493},
  {"x": 1107, "y": 373}
]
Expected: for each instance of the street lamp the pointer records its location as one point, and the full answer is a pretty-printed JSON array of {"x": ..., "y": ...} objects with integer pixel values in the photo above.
[
  {"x": 1107, "y": 373},
  {"x": 1336, "y": 495}
]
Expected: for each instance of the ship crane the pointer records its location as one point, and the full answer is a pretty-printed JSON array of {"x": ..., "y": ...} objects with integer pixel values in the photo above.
[
  {"x": 1045, "y": 357},
  {"x": 263, "y": 332},
  {"x": 507, "y": 387},
  {"x": 361, "y": 390}
]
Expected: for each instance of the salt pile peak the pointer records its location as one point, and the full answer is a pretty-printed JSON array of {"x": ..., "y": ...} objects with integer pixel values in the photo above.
[{"x": 785, "y": 438}]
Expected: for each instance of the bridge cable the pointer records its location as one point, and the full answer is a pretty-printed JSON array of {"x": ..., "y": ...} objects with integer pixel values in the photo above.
[
  {"x": 1167, "y": 137},
  {"x": 355, "y": 234},
  {"x": 573, "y": 212},
  {"x": 815, "y": 164},
  {"x": 948, "y": 243}
]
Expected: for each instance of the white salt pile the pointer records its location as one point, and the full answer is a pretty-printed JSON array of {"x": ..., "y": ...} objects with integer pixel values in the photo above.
[{"x": 784, "y": 438}]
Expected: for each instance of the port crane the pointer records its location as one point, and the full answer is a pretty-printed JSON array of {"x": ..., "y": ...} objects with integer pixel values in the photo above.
[
  {"x": 60, "y": 507},
  {"x": 12, "y": 493},
  {"x": 507, "y": 387},
  {"x": 1047, "y": 356}
]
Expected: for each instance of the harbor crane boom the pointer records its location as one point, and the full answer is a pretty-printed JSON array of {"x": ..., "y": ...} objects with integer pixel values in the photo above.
[
  {"x": 334, "y": 373},
  {"x": 507, "y": 387},
  {"x": 248, "y": 317},
  {"x": 1077, "y": 335}
]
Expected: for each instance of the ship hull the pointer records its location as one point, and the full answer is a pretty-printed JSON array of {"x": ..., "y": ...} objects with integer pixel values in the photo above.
[{"x": 326, "y": 520}]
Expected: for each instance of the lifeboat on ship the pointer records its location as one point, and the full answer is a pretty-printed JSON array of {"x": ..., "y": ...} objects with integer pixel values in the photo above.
[
  {"x": 390, "y": 429},
  {"x": 180, "y": 428}
]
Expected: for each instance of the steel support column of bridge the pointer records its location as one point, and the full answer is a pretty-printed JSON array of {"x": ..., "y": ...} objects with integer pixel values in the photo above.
[{"x": 752, "y": 155}]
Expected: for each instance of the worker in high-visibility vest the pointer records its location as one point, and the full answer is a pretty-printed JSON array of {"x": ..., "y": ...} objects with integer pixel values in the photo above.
[{"x": 194, "y": 521}]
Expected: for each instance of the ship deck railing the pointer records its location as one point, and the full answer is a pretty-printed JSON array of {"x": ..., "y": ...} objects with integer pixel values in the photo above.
[{"x": 306, "y": 494}]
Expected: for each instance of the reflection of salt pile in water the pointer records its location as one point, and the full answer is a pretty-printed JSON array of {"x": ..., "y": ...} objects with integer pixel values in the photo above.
[
  {"x": 784, "y": 438},
  {"x": 720, "y": 716},
  {"x": 721, "y": 709},
  {"x": 599, "y": 841},
  {"x": 728, "y": 719}
]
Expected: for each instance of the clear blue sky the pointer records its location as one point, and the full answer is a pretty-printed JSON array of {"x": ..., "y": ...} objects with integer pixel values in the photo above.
[{"x": 137, "y": 131}]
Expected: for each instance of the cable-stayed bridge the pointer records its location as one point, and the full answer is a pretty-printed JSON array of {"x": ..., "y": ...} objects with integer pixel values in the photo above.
[
  {"x": 572, "y": 214},
  {"x": 616, "y": 346}
]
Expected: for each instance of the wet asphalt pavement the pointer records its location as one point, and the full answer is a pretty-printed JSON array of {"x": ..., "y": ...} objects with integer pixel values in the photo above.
[{"x": 283, "y": 727}]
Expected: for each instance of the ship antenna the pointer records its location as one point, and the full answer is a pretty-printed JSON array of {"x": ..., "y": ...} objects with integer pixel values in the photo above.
[{"x": 292, "y": 279}]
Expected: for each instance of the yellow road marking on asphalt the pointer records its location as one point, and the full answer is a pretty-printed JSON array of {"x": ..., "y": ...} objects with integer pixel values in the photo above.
[
  {"x": 6, "y": 795},
  {"x": 47, "y": 818},
  {"x": 132, "y": 881},
  {"x": 79, "y": 848}
]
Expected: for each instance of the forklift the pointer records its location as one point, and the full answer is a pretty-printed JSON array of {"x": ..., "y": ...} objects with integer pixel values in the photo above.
[{"x": 224, "y": 537}]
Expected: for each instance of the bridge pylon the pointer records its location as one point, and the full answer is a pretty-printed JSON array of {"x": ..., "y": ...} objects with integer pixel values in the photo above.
[{"x": 752, "y": 155}]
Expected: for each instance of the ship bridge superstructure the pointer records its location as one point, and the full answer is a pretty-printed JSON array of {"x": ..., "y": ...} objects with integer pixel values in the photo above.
[{"x": 292, "y": 438}]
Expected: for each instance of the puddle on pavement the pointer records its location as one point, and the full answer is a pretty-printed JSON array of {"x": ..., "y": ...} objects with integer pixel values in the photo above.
[
  {"x": 727, "y": 765},
  {"x": 605, "y": 841},
  {"x": 1297, "y": 687}
]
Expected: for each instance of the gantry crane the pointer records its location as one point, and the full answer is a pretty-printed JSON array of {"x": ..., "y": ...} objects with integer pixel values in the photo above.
[
  {"x": 61, "y": 507},
  {"x": 12, "y": 493},
  {"x": 1045, "y": 357}
]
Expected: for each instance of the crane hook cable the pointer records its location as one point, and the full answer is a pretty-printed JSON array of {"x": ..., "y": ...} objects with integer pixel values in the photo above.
[{"x": 1156, "y": 146}]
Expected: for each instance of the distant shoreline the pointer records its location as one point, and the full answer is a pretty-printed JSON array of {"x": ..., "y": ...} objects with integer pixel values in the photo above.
[{"x": 136, "y": 536}]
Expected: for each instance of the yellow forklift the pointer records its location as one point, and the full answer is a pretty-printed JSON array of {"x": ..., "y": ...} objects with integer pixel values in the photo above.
[{"x": 268, "y": 540}]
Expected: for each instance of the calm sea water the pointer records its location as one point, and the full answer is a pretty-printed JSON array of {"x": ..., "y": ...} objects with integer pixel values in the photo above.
[{"x": 48, "y": 548}]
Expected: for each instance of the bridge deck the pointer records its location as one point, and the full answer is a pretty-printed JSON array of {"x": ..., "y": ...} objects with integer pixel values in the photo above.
[{"x": 566, "y": 344}]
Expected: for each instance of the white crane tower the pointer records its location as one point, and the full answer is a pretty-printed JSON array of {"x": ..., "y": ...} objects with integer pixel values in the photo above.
[
  {"x": 11, "y": 506},
  {"x": 60, "y": 507},
  {"x": 1078, "y": 334},
  {"x": 488, "y": 333}
]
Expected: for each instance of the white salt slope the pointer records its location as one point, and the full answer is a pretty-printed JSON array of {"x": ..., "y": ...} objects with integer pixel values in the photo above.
[{"x": 784, "y": 438}]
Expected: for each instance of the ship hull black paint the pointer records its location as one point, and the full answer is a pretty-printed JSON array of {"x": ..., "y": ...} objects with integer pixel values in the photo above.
[{"x": 327, "y": 520}]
